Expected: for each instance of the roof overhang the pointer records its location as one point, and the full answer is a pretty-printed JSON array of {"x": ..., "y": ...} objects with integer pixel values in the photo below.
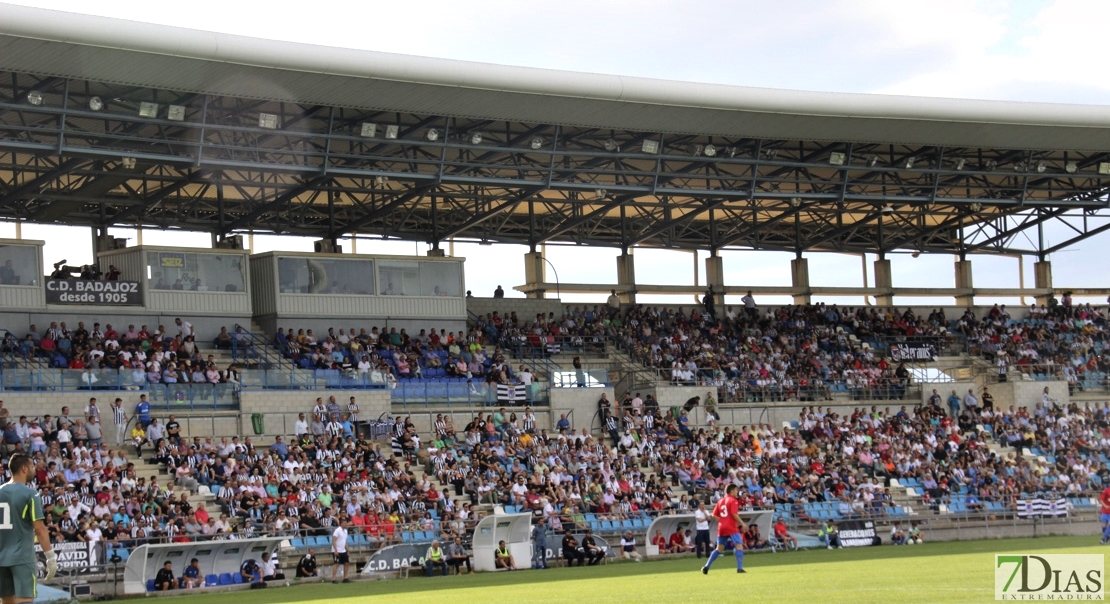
[{"x": 116, "y": 51}]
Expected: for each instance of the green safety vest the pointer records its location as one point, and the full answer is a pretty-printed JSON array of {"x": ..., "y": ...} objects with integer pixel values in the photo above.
[
  {"x": 502, "y": 552},
  {"x": 435, "y": 554}
]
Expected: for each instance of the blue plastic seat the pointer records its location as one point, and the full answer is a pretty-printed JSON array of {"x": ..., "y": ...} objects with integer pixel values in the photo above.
[
  {"x": 210, "y": 580},
  {"x": 225, "y": 578},
  {"x": 150, "y": 584},
  {"x": 236, "y": 579}
]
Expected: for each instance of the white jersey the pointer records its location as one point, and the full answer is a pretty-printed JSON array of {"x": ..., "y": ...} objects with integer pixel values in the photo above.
[
  {"x": 339, "y": 540},
  {"x": 701, "y": 520}
]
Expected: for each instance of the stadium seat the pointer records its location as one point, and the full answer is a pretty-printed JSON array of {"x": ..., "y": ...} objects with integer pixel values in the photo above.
[
  {"x": 225, "y": 578},
  {"x": 150, "y": 584},
  {"x": 210, "y": 580}
]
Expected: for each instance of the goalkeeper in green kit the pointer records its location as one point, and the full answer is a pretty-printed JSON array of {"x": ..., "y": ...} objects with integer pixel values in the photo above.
[{"x": 21, "y": 522}]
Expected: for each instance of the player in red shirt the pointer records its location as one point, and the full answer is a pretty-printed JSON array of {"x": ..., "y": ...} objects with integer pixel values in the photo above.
[
  {"x": 1104, "y": 499},
  {"x": 729, "y": 526}
]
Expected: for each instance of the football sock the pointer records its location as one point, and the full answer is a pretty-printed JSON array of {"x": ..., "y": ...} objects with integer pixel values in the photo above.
[
  {"x": 1106, "y": 533},
  {"x": 712, "y": 556},
  {"x": 739, "y": 559}
]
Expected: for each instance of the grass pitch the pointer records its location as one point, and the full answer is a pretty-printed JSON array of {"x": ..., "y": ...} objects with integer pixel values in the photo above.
[{"x": 932, "y": 572}]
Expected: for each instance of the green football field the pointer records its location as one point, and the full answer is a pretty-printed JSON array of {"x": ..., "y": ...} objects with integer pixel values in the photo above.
[{"x": 932, "y": 572}]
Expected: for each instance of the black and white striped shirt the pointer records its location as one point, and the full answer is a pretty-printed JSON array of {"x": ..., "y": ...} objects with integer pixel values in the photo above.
[{"x": 119, "y": 415}]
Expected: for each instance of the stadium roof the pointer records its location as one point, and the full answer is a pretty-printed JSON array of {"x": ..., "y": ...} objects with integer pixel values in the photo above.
[
  {"x": 273, "y": 136},
  {"x": 146, "y": 55}
]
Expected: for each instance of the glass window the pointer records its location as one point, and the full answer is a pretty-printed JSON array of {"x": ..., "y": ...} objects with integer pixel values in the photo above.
[
  {"x": 326, "y": 276},
  {"x": 416, "y": 278},
  {"x": 399, "y": 277},
  {"x": 19, "y": 265},
  {"x": 195, "y": 272},
  {"x": 440, "y": 279}
]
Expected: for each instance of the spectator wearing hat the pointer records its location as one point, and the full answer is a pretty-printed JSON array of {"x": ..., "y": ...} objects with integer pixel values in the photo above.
[{"x": 306, "y": 567}]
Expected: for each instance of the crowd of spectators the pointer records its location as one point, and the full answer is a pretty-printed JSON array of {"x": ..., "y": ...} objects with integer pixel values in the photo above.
[
  {"x": 139, "y": 357},
  {"x": 800, "y": 353},
  {"x": 388, "y": 356},
  {"x": 1060, "y": 340}
]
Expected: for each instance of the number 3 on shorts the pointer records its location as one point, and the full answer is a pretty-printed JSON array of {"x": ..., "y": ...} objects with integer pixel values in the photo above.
[{"x": 5, "y": 517}]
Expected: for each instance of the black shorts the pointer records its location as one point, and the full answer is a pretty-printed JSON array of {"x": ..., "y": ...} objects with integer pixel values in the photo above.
[{"x": 342, "y": 558}]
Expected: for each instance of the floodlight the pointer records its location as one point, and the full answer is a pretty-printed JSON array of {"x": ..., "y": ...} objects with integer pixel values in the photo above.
[
  {"x": 872, "y": 160},
  {"x": 796, "y": 201},
  {"x": 611, "y": 145},
  {"x": 148, "y": 109},
  {"x": 391, "y": 132},
  {"x": 837, "y": 158},
  {"x": 176, "y": 113},
  {"x": 976, "y": 207},
  {"x": 369, "y": 130},
  {"x": 432, "y": 135},
  {"x": 1041, "y": 166},
  {"x": 650, "y": 146},
  {"x": 537, "y": 142},
  {"x": 990, "y": 165},
  {"x": 888, "y": 209},
  {"x": 96, "y": 104},
  {"x": 34, "y": 97},
  {"x": 128, "y": 163},
  {"x": 908, "y": 163},
  {"x": 770, "y": 153},
  {"x": 476, "y": 138},
  {"x": 268, "y": 121},
  {"x": 709, "y": 150},
  {"x": 1104, "y": 168},
  {"x": 600, "y": 193},
  {"x": 381, "y": 180},
  {"x": 1019, "y": 167},
  {"x": 960, "y": 163},
  {"x": 1071, "y": 167}
]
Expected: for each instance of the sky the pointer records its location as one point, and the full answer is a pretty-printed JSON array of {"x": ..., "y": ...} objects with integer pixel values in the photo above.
[{"x": 1041, "y": 51}]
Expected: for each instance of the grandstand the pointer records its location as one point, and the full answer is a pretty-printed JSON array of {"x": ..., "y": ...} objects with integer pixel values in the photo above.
[{"x": 311, "y": 389}]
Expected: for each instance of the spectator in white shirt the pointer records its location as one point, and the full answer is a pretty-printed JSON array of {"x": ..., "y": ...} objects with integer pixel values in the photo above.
[{"x": 300, "y": 426}]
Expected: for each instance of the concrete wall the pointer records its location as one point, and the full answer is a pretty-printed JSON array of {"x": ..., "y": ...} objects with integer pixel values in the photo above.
[
  {"x": 320, "y": 326},
  {"x": 423, "y": 420},
  {"x": 526, "y": 308},
  {"x": 582, "y": 402},
  {"x": 945, "y": 389},
  {"x": 1028, "y": 393},
  {"x": 280, "y": 407},
  {"x": 669, "y": 396}
]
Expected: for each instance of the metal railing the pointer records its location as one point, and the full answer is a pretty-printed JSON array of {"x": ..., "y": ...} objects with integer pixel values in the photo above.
[
  {"x": 250, "y": 348},
  {"x": 427, "y": 393}
]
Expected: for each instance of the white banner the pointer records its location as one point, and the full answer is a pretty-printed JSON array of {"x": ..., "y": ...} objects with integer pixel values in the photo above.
[
  {"x": 1042, "y": 508},
  {"x": 74, "y": 557}
]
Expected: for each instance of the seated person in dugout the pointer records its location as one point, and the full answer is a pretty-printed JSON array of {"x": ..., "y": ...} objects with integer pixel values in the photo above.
[
  {"x": 502, "y": 558},
  {"x": 572, "y": 550}
]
